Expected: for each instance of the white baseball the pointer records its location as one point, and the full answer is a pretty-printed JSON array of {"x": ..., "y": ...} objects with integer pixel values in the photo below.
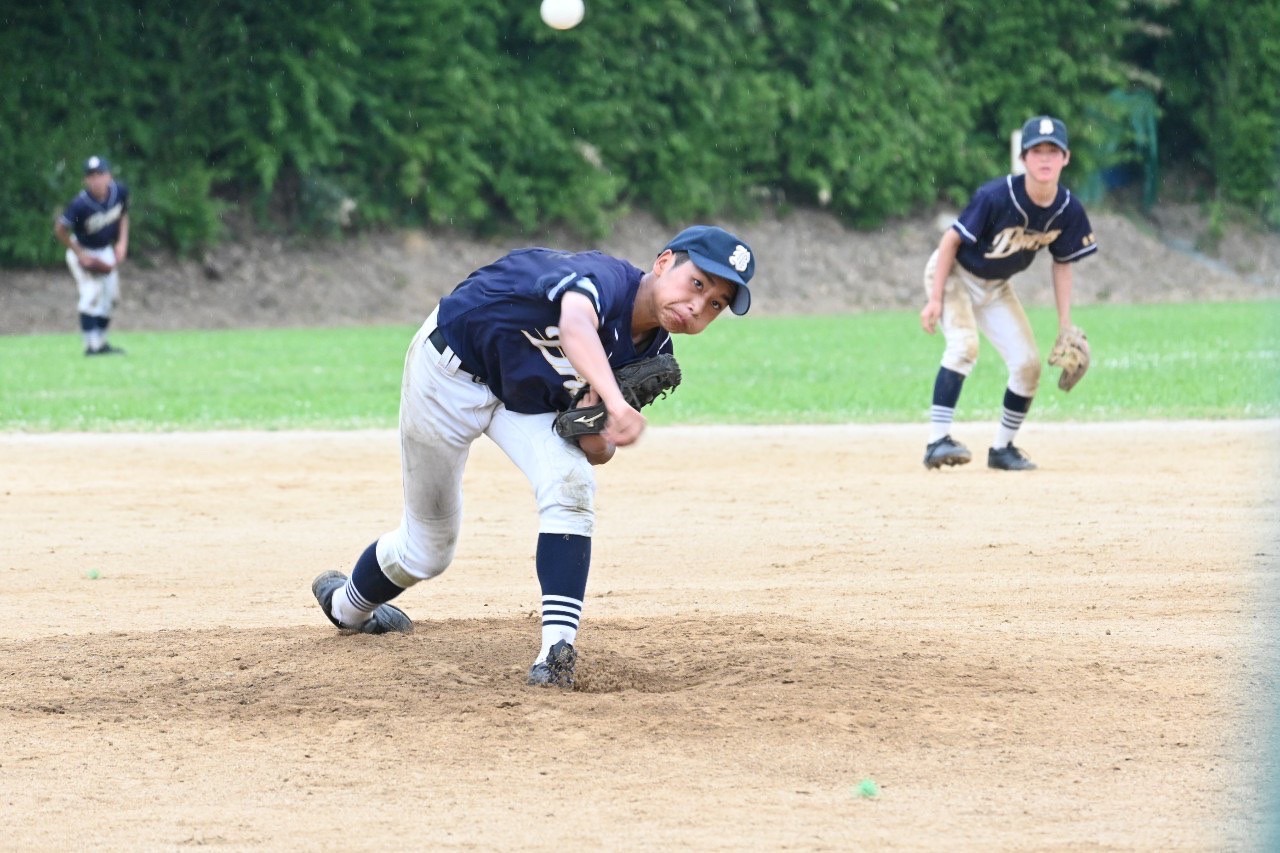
[{"x": 562, "y": 14}]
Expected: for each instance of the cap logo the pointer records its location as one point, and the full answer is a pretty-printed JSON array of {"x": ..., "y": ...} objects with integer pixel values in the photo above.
[
  {"x": 94, "y": 162},
  {"x": 740, "y": 259},
  {"x": 1046, "y": 125}
]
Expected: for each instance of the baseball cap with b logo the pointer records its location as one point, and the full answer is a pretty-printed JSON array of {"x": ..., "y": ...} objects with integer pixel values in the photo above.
[
  {"x": 1044, "y": 129},
  {"x": 96, "y": 164},
  {"x": 720, "y": 253}
]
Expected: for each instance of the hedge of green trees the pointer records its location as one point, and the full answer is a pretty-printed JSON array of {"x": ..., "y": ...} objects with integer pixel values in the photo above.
[{"x": 316, "y": 115}]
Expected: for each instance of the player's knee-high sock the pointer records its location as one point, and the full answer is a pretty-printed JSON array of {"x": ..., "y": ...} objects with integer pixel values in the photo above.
[
  {"x": 102, "y": 323},
  {"x": 367, "y": 587},
  {"x": 1015, "y": 412},
  {"x": 563, "y": 562},
  {"x": 89, "y": 331},
  {"x": 946, "y": 393}
]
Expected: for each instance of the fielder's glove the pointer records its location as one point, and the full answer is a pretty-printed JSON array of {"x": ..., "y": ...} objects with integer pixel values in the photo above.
[
  {"x": 641, "y": 382},
  {"x": 1071, "y": 353}
]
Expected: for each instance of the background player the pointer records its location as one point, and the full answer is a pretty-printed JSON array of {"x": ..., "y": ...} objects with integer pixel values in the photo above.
[
  {"x": 95, "y": 225},
  {"x": 967, "y": 280},
  {"x": 500, "y": 356}
]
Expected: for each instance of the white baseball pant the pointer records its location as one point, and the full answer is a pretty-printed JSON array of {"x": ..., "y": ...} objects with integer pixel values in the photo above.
[
  {"x": 970, "y": 305},
  {"x": 98, "y": 293},
  {"x": 442, "y": 411}
]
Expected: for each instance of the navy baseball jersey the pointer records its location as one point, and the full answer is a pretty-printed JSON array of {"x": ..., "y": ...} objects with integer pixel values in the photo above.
[
  {"x": 1002, "y": 229},
  {"x": 503, "y": 323},
  {"x": 96, "y": 224}
]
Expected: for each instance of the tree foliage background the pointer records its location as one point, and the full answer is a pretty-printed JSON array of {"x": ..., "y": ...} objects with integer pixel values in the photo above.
[{"x": 316, "y": 115}]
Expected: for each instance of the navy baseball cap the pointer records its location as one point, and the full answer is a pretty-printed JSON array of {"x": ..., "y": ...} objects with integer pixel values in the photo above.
[
  {"x": 96, "y": 164},
  {"x": 720, "y": 253},
  {"x": 1044, "y": 129}
]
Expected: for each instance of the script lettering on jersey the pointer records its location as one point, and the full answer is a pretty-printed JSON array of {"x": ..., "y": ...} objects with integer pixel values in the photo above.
[
  {"x": 1018, "y": 239},
  {"x": 98, "y": 221},
  {"x": 547, "y": 342}
]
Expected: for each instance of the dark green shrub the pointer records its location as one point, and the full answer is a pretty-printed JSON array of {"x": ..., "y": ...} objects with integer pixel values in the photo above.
[{"x": 319, "y": 116}]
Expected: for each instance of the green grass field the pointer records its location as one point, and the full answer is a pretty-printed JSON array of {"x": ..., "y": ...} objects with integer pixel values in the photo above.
[{"x": 1216, "y": 360}]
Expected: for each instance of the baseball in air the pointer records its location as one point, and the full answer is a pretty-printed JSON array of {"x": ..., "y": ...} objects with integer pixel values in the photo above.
[{"x": 562, "y": 14}]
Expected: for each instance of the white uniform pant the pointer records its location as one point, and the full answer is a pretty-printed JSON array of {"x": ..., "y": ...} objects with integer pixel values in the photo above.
[
  {"x": 98, "y": 293},
  {"x": 970, "y": 305},
  {"x": 442, "y": 411}
]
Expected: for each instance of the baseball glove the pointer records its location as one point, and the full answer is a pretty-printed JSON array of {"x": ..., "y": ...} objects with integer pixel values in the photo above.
[
  {"x": 1071, "y": 353},
  {"x": 97, "y": 266},
  {"x": 641, "y": 382}
]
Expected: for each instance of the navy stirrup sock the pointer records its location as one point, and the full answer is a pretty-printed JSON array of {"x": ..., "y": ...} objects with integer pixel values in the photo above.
[
  {"x": 563, "y": 562},
  {"x": 1016, "y": 402},
  {"x": 371, "y": 585},
  {"x": 946, "y": 388}
]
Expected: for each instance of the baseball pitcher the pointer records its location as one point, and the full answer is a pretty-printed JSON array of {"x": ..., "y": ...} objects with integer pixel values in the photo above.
[{"x": 541, "y": 351}]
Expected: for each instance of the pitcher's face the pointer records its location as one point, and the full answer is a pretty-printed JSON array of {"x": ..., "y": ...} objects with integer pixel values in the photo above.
[{"x": 687, "y": 299}]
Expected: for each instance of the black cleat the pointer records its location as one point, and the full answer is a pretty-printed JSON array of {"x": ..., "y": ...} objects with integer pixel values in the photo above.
[
  {"x": 1009, "y": 458},
  {"x": 105, "y": 349},
  {"x": 385, "y": 620},
  {"x": 946, "y": 451},
  {"x": 557, "y": 669}
]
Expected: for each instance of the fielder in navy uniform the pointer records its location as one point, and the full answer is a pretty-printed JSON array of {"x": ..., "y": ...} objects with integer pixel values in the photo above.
[
  {"x": 967, "y": 280},
  {"x": 95, "y": 230},
  {"x": 501, "y": 356}
]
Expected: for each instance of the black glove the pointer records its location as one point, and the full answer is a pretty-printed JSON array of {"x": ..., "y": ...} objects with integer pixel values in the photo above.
[{"x": 641, "y": 382}]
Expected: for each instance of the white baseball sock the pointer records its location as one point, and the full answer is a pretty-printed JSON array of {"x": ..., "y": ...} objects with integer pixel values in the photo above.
[
  {"x": 1010, "y": 423},
  {"x": 940, "y": 420},
  {"x": 346, "y": 611},
  {"x": 560, "y": 617}
]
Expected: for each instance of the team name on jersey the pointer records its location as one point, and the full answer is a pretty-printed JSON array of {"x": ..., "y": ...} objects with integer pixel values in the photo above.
[
  {"x": 98, "y": 221},
  {"x": 1018, "y": 239},
  {"x": 547, "y": 342}
]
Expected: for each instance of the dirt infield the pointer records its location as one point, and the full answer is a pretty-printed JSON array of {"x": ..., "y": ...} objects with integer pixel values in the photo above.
[{"x": 1059, "y": 660}]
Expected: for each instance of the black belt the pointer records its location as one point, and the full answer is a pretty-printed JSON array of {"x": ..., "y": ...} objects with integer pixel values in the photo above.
[{"x": 437, "y": 340}]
